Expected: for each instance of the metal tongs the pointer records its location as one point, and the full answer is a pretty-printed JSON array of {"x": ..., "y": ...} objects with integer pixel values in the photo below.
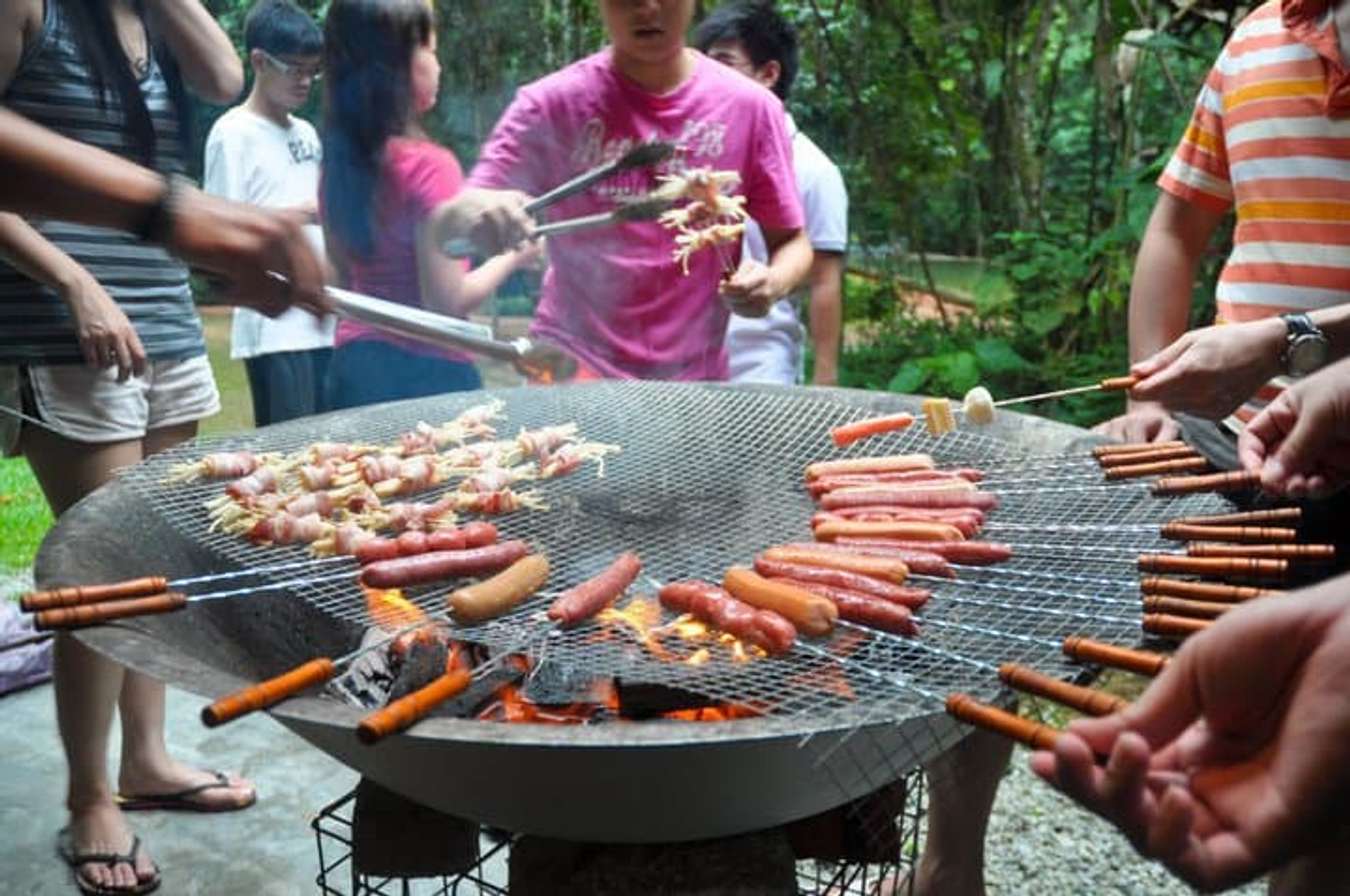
[
  {"x": 540, "y": 361},
  {"x": 643, "y": 209}
]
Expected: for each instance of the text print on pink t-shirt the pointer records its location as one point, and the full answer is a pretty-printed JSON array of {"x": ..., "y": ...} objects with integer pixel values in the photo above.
[{"x": 615, "y": 297}]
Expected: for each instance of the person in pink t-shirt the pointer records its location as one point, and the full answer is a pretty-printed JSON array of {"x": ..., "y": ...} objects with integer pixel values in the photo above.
[
  {"x": 381, "y": 180},
  {"x": 615, "y": 298}
]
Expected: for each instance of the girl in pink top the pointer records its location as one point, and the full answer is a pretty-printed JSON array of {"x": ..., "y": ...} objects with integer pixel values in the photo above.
[
  {"x": 615, "y": 298},
  {"x": 381, "y": 179}
]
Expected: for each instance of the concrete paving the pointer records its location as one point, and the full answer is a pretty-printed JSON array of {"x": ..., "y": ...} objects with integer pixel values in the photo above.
[{"x": 266, "y": 850}]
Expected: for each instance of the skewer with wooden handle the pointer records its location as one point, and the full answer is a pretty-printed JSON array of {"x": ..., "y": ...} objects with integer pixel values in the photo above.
[
  {"x": 1110, "y": 384},
  {"x": 1177, "y": 531},
  {"x": 1156, "y": 468},
  {"x": 1180, "y": 606},
  {"x": 1231, "y": 481},
  {"x": 1141, "y": 662},
  {"x": 409, "y": 709},
  {"x": 1207, "y": 591},
  {"x": 1114, "y": 449},
  {"x": 1288, "y": 515},
  {"x": 1131, "y": 458},
  {"x": 991, "y": 718},
  {"x": 87, "y": 615},
  {"x": 1085, "y": 700},
  {"x": 1167, "y": 626},
  {"x": 1294, "y": 553},
  {"x": 1216, "y": 567}
]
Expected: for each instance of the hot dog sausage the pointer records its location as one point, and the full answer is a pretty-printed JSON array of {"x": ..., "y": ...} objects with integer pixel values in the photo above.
[
  {"x": 810, "y": 613},
  {"x": 412, "y": 542},
  {"x": 374, "y": 549},
  {"x": 903, "y": 530},
  {"x": 840, "y": 578},
  {"x": 974, "y": 553},
  {"x": 434, "y": 566},
  {"x": 893, "y": 463},
  {"x": 863, "y": 609},
  {"x": 886, "y": 568},
  {"x": 583, "y": 601},
  {"x": 448, "y": 540},
  {"x": 501, "y": 593},
  {"x": 925, "y": 498},
  {"x": 763, "y": 628},
  {"x": 968, "y": 521},
  {"x": 950, "y": 484},
  {"x": 920, "y": 561},
  {"x": 479, "y": 533}
]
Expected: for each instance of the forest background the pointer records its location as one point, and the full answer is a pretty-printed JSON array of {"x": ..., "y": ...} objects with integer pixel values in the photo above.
[{"x": 1000, "y": 158}]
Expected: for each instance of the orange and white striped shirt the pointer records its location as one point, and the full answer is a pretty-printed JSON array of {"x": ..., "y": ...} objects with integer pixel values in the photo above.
[{"x": 1271, "y": 135}]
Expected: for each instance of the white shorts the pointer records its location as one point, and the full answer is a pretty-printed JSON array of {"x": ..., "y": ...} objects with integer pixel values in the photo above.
[{"x": 92, "y": 406}]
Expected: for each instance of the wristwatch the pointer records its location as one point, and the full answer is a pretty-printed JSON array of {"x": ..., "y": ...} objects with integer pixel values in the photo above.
[{"x": 1305, "y": 345}]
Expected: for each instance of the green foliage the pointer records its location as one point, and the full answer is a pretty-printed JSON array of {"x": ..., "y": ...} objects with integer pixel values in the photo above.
[{"x": 24, "y": 515}]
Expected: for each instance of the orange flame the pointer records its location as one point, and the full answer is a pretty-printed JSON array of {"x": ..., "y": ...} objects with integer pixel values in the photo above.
[
  {"x": 642, "y": 617},
  {"x": 390, "y": 609}
]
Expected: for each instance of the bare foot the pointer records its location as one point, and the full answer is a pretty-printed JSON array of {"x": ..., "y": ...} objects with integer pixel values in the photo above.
[
  {"x": 101, "y": 828},
  {"x": 173, "y": 778}
]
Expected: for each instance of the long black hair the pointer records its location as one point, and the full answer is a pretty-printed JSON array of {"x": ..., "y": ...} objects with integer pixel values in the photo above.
[
  {"x": 95, "y": 32},
  {"x": 368, "y": 49}
]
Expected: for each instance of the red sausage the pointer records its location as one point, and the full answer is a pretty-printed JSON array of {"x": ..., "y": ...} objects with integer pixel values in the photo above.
[
  {"x": 433, "y": 566},
  {"x": 968, "y": 520},
  {"x": 830, "y": 483},
  {"x": 927, "y": 499},
  {"x": 447, "y": 540},
  {"x": 374, "y": 549},
  {"x": 975, "y": 553},
  {"x": 711, "y": 604},
  {"x": 479, "y": 533},
  {"x": 590, "y": 597},
  {"x": 412, "y": 542},
  {"x": 864, "y": 609},
  {"x": 920, "y": 561},
  {"x": 839, "y": 578}
]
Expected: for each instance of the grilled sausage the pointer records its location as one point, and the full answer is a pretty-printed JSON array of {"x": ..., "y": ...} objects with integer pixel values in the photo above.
[
  {"x": 886, "y": 568},
  {"x": 449, "y": 540},
  {"x": 763, "y": 628},
  {"x": 583, "y": 601},
  {"x": 435, "y": 566},
  {"x": 848, "y": 433},
  {"x": 920, "y": 561},
  {"x": 375, "y": 549},
  {"x": 479, "y": 533},
  {"x": 974, "y": 553},
  {"x": 412, "y": 542},
  {"x": 500, "y": 594},
  {"x": 811, "y": 614},
  {"x": 949, "y": 484},
  {"x": 903, "y": 530},
  {"x": 894, "y": 463},
  {"x": 925, "y": 498},
  {"x": 864, "y": 609},
  {"x": 841, "y": 578},
  {"x": 969, "y": 521}
]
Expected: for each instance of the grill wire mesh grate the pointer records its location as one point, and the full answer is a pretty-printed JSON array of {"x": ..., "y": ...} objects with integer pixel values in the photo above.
[{"x": 708, "y": 476}]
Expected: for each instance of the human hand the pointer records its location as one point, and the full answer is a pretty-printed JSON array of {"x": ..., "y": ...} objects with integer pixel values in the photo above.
[
  {"x": 751, "y": 290},
  {"x": 1210, "y": 372},
  {"x": 481, "y": 222},
  {"x": 1300, "y": 442},
  {"x": 248, "y": 248},
  {"x": 107, "y": 338},
  {"x": 1141, "y": 422},
  {"x": 1252, "y": 714}
]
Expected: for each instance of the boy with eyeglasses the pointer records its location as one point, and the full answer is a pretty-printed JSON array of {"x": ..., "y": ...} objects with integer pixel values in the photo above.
[{"x": 262, "y": 154}]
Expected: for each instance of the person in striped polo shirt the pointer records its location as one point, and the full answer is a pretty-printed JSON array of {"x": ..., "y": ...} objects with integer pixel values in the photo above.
[{"x": 1269, "y": 137}]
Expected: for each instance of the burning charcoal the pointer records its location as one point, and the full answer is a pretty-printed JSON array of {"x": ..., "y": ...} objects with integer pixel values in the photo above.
[
  {"x": 749, "y": 865},
  {"x": 366, "y": 682},
  {"x": 427, "y": 842},
  {"x": 645, "y": 700},
  {"x": 554, "y": 684},
  {"x": 424, "y": 660}
]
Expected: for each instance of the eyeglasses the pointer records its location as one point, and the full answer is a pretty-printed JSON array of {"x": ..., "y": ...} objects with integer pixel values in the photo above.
[{"x": 293, "y": 70}]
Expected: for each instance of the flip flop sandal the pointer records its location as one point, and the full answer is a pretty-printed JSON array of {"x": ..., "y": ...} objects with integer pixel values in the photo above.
[
  {"x": 182, "y": 800},
  {"x": 65, "y": 848}
]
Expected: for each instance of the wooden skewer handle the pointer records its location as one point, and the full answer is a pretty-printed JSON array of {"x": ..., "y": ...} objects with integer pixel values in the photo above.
[
  {"x": 1179, "y": 606},
  {"x": 1271, "y": 515},
  {"x": 1173, "y": 626},
  {"x": 1116, "y": 448},
  {"x": 1220, "y": 567},
  {"x": 1159, "y": 468},
  {"x": 96, "y": 614},
  {"x": 1231, "y": 481},
  {"x": 1085, "y": 700},
  {"x": 406, "y": 710},
  {"x": 1308, "y": 553},
  {"x": 74, "y": 596},
  {"x": 268, "y": 693},
  {"x": 1118, "y": 383},
  {"x": 991, "y": 718},
  {"x": 1177, "y": 531},
  {"x": 1141, "y": 662},
  {"x": 1123, "y": 458},
  {"x": 1211, "y": 591}
]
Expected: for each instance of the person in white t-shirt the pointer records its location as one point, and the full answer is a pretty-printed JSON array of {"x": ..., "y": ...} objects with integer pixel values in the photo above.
[
  {"x": 758, "y": 42},
  {"x": 259, "y": 153}
]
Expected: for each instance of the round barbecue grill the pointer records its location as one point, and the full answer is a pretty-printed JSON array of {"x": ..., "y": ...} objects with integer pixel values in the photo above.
[{"x": 708, "y": 476}]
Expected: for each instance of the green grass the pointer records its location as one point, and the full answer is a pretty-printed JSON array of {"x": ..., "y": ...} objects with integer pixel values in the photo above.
[{"x": 24, "y": 517}]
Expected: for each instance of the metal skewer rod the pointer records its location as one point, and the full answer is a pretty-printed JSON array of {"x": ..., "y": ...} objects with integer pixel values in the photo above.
[
  {"x": 1016, "y": 589},
  {"x": 641, "y": 156},
  {"x": 1043, "y": 611},
  {"x": 1111, "y": 384}
]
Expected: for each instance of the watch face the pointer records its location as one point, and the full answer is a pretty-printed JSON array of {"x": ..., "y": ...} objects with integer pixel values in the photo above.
[{"x": 1307, "y": 354}]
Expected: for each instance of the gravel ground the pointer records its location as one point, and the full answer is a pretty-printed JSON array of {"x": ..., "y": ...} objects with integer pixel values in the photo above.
[{"x": 1041, "y": 842}]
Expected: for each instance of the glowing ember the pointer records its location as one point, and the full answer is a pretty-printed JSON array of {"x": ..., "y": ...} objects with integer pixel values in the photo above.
[
  {"x": 390, "y": 609},
  {"x": 699, "y": 657}
]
